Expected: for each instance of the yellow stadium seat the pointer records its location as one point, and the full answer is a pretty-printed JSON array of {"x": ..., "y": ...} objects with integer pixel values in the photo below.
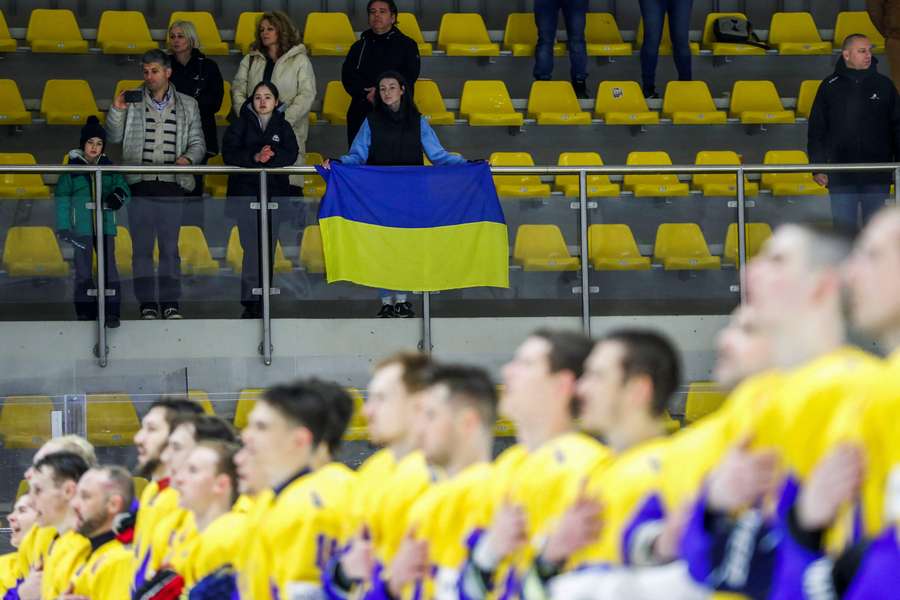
[
  {"x": 690, "y": 103},
  {"x": 597, "y": 185},
  {"x": 612, "y": 248},
  {"x": 806, "y": 96},
  {"x": 313, "y": 184},
  {"x": 202, "y": 398},
  {"x": 335, "y": 103},
  {"x": 207, "y": 30},
  {"x": 665, "y": 44},
  {"x": 124, "y": 32},
  {"x": 726, "y": 48},
  {"x": 464, "y": 34},
  {"x": 328, "y": 34},
  {"x": 234, "y": 255},
  {"x": 111, "y": 420},
  {"x": 224, "y": 110},
  {"x": 25, "y": 421},
  {"x": 703, "y": 398},
  {"x": 517, "y": 186},
  {"x": 68, "y": 102},
  {"x": 623, "y": 103},
  {"x": 601, "y": 32},
  {"x": 23, "y": 185},
  {"x": 32, "y": 251},
  {"x": 196, "y": 258},
  {"x": 213, "y": 184},
  {"x": 312, "y": 255},
  {"x": 681, "y": 246},
  {"x": 850, "y": 22},
  {"x": 796, "y": 33},
  {"x": 409, "y": 25},
  {"x": 755, "y": 235},
  {"x": 542, "y": 248},
  {"x": 7, "y": 43},
  {"x": 653, "y": 184},
  {"x": 555, "y": 103},
  {"x": 757, "y": 102},
  {"x": 720, "y": 184},
  {"x": 246, "y": 401},
  {"x": 124, "y": 252},
  {"x": 431, "y": 104},
  {"x": 245, "y": 33},
  {"x": 521, "y": 35},
  {"x": 55, "y": 31},
  {"x": 12, "y": 107},
  {"x": 488, "y": 103},
  {"x": 790, "y": 184},
  {"x": 358, "y": 427}
]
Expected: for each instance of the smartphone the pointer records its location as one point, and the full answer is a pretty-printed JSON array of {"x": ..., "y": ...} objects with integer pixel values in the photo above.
[{"x": 134, "y": 97}]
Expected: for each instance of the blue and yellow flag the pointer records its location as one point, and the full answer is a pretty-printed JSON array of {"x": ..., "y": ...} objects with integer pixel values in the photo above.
[{"x": 421, "y": 229}]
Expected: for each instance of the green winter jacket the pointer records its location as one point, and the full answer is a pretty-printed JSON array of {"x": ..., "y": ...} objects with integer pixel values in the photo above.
[{"x": 75, "y": 190}]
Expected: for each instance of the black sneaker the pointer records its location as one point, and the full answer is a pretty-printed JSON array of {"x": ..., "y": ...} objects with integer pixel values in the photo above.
[
  {"x": 113, "y": 322},
  {"x": 149, "y": 313},
  {"x": 171, "y": 313},
  {"x": 580, "y": 88},
  {"x": 252, "y": 312},
  {"x": 651, "y": 94},
  {"x": 386, "y": 312},
  {"x": 404, "y": 310}
]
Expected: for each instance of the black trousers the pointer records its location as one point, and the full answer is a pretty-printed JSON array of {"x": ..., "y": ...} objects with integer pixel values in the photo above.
[
  {"x": 85, "y": 305},
  {"x": 248, "y": 223},
  {"x": 154, "y": 215}
]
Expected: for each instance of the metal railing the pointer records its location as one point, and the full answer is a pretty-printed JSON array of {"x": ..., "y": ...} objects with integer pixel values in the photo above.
[{"x": 266, "y": 347}]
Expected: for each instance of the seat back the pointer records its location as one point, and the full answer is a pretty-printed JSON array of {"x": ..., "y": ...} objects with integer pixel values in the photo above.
[
  {"x": 580, "y": 159},
  {"x": 793, "y": 27},
  {"x": 552, "y": 96},
  {"x": 850, "y": 22},
  {"x": 620, "y": 96},
  {"x": 687, "y": 96},
  {"x": 611, "y": 241},
  {"x": 312, "y": 253},
  {"x": 207, "y": 30},
  {"x": 25, "y": 421},
  {"x": 755, "y": 96},
  {"x": 331, "y": 28},
  {"x": 540, "y": 242},
  {"x": 716, "y": 157},
  {"x": 31, "y": 244},
  {"x": 245, "y": 33},
  {"x": 703, "y": 398},
  {"x": 246, "y": 401},
  {"x": 202, "y": 398},
  {"x": 409, "y": 25},
  {"x": 485, "y": 97},
  {"x": 601, "y": 28},
  {"x": 335, "y": 103},
  {"x": 4, "y": 29},
  {"x": 755, "y": 235},
  {"x": 785, "y": 157},
  {"x": 650, "y": 158},
  {"x": 10, "y": 98},
  {"x": 52, "y": 25},
  {"x": 680, "y": 240},
  {"x": 513, "y": 159},
  {"x": 462, "y": 28},
  {"x": 428, "y": 97},
  {"x": 806, "y": 96},
  {"x": 122, "y": 26},
  {"x": 192, "y": 245},
  {"x": 111, "y": 419},
  {"x": 68, "y": 102}
]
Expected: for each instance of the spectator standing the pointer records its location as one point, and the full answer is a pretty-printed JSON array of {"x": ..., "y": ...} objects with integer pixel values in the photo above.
[
  {"x": 162, "y": 129},
  {"x": 546, "y": 16},
  {"x": 885, "y": 14},
  {"x": 75, "y": 221},
  {"x": 855, "y": 118},
  {"x": 654, "y": 14},
  {"x": 260, "y": 137},
  {"x": 278, "y": 56},
  {"x": 380, "y": 48}
]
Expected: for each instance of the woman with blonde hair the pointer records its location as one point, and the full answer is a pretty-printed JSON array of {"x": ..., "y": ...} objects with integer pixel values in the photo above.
[{"x": 278, "y": 56}]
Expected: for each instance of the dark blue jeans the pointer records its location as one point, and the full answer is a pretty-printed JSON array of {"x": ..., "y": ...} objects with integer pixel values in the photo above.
[
  {"x": 847, "y": 201},
  {"x": 654, "y": 14},
  {"x": 546, "y": 17}
]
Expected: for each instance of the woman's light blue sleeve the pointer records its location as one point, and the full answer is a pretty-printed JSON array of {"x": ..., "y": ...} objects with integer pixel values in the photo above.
[
  {"x": 433, "y": 149},
  {"x": 359, "y": 149}
]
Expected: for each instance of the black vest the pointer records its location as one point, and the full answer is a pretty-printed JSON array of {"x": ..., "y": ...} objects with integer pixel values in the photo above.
[{"x": 395, "y": 142}]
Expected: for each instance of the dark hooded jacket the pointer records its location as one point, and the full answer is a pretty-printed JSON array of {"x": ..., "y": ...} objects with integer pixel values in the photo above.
[{"x": 201, "y": 79}]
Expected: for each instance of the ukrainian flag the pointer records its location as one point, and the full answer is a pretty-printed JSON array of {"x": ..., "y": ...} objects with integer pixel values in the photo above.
[{"x": 414, "y": 228}]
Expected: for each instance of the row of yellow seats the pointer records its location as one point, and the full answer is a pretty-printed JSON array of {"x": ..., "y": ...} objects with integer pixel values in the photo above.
[{"x": 612, "y": 247}]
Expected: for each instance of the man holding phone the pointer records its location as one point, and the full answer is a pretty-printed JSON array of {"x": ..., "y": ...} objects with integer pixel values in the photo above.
[{"x": 156, "y": 125}]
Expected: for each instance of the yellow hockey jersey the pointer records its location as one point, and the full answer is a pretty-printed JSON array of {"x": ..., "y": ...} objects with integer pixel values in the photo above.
[
  {"x": 65, "y": 555},
  {"x": 214, "y": 548},
  {"x": 106, "y": 572},
  {"x": 157, "y": 501}
]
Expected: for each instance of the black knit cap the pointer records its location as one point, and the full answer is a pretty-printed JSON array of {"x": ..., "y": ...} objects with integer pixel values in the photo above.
[{"x": 92, "y": 129}]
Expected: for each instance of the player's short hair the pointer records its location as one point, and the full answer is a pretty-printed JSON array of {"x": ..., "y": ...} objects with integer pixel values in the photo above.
[
  {"x": 340, "y": 411},
  {"x": 225, "y": 452},
  {"x": 78, "y": 445},
  {"x": 568, "y": 349},
  {"x": 468, "y": 387},
  {"x": 415, "y": 365},
  {"x": 63, "y": 466},
  {"x": 211, "y": 427},
  {"x": 120, "y": 483},
  {"x": 177, "y": 410},
  {"x": 302, "y": 403},
  {"x": 652, "y": 355},
  {"x": 848, "y": 41}
]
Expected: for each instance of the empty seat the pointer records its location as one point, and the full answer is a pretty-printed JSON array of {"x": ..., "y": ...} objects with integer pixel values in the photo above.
[
  {"x": 850, "y": 22},
  {"x": 25, "y": 421},
  {"x": 409, "y": 25},
  {"x": 12, "y": 106},
  {"x": 703, "y": 398},
  {"x": 520, "y": 36},
  {"x": 542, "y": 248},
  {"x": 517, "y": 186},
  {"x": 790, "y": 184},
  {"x": 755, "y": 235},
  {"x": 757, "y": 102},
  {"x": 32, "y": 251},
  {"x": 124, "y": 32},
  {"x": 207, "y": 30},
  {"x": 431, "y": 104},
  {"x": 358, "y": 428},
  {"x": 124, "y": 252},
  {"x": 55, "y": 31},
  {"x": 796, "y": 33},
  {"x": 726, "y": 48},
  {"x": 806, "y": 96},
  {"x": 313, "y": 184},
  {"x": 720, "y": 184},
  {"x": 234, "y": 255},
  {"x": 555, "y": 103},
  {"x": 488, "y": 103},
  {"x": 196, "y": 259},
  {"x": 654, "y": 184},
  {"x": 681, "y": 246},
  {"x": 111, "y": 420},
  {"x": 245, "y": 33},
  {"x": 246, "y": 401},
  {"x": 612, "y": 248},
  {"x": 201, "y": 398},
  {"x": 225, "y": 110},
  {"x": 597, "y": 185},
  {"x": 623, "y": 103},
  {"x": 23, "y": 185},
  {"x": 665, "y": 44},
  {"x": 690, "y": 103},
  {"x": 335, "y": 103},
  {"x": 213, "y": 184},
  {"x": 328, "y": 34},
  {"x": 7, "y": 43},
  {"x": 68, "y": 102},
  {"x": 464, "y": 34},
  {"x": 601, "y": 32},
  {"x": 312, "y": 255}
]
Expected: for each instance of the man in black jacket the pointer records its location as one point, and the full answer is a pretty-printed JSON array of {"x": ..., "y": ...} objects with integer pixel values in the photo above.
[
  {"x": 381, "y": 48},
  {"x": 855, "y": 118}
]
